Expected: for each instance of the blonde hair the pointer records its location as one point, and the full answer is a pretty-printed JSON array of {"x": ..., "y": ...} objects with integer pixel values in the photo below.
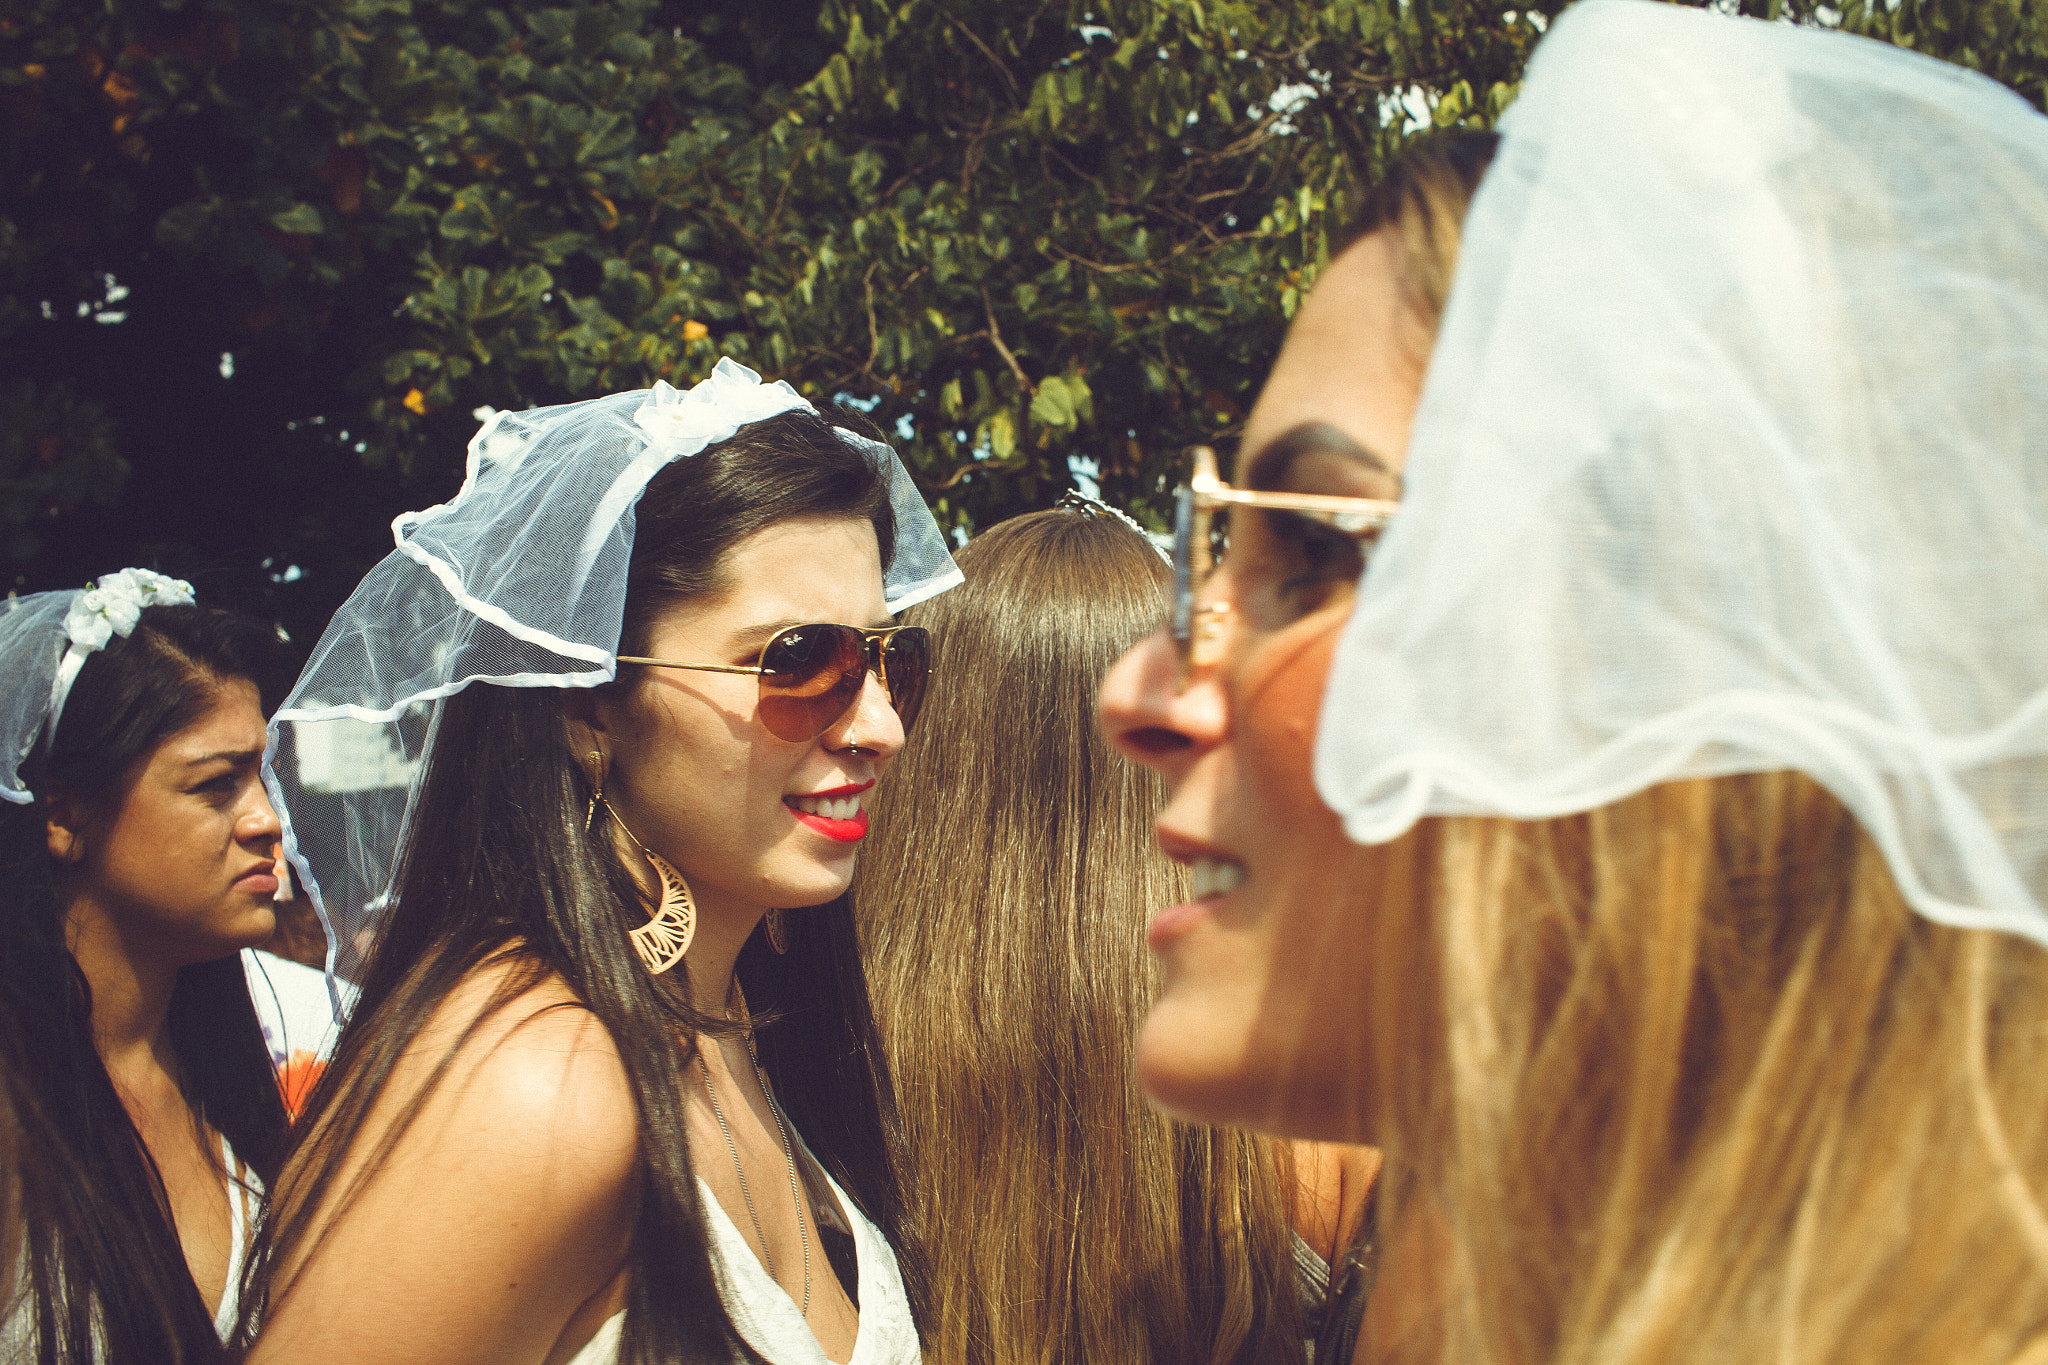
[
  {"x": 1687, "y": 1080},
  {"x": 1002, "y": 903},
  {"x": 1684, "y": 1078}
]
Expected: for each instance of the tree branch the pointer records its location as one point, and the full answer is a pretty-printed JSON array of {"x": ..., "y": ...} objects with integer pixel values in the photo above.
[
  {"x": 874, "y": 337},
  {"x": 993, "y": 60},
  {"x": 995, "y": 335}
]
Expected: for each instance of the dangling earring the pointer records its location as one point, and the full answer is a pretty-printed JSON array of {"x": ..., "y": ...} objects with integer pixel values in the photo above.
[
  {"x": 662, "y": 941},
  {"x": 596, "y": 760},
  {"x": 778, "y": 933}
]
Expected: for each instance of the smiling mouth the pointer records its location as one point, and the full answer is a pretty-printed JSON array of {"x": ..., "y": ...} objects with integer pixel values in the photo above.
[
  {"x": 1216, "y": 877},
  {"x": 836, "y": 814},
  {"x": 829, "y": 807}
]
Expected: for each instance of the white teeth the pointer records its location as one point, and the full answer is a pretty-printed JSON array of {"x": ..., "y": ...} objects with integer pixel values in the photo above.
[
  {"x": 1216, "y": 878},
  {"x": 830, "y": 808}
]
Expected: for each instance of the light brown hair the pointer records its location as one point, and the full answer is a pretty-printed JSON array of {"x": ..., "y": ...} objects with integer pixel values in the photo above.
[
  {"x": 1421, "y": 200},
  {"x": 1002, "y": 904},
  {"x": 1688, "y": 1081},
  {"x": 1684, "y": 1079}
]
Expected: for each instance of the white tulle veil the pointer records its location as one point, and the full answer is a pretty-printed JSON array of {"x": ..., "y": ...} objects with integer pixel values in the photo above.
[
  {"x": 1732, "y": 457},
  {"x": 518, "y": 581}
]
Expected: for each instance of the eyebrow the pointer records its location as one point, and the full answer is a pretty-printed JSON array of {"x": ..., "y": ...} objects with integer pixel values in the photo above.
[
  {"x": 1268, "y": 469},
  {"x": 226, "y": 755}
]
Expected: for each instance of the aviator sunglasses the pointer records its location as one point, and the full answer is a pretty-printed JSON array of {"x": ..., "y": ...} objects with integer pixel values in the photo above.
[{"x": 812, "y": 675}]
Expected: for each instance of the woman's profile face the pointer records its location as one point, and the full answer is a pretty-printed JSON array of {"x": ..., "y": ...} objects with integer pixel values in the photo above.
[
  {"x": 1258, "y": 1015},
  {"x": 183, "y": 865},
  {"x": 693, "y": 772}
]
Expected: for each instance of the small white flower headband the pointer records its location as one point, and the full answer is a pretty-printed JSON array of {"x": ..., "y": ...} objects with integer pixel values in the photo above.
[{"x": 100, "y": 613}]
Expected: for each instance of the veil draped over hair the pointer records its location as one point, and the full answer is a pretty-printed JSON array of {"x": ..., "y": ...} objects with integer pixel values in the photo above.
[
  {"x": 1732, "y": 457},
  {"x": 518, "y": 581}
]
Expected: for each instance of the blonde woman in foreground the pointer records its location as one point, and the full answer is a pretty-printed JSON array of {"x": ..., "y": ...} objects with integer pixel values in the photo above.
[
  {"x": 1690, "y": 726},
  {"x": 1002, "y": 905}
]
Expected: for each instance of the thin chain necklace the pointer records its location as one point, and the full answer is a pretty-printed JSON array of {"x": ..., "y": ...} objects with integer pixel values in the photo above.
[{"x": 788, "y": 1153}]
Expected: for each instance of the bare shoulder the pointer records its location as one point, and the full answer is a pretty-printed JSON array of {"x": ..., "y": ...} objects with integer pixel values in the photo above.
[
  {"x": 524, "y": 1060},
  {"x": 489, "y": 1190}
]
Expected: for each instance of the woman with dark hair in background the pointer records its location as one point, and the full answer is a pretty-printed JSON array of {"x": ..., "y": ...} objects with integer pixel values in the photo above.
[
  {"x": 1002, "y": 906},
  {"x": 139, "y": 854},
  {"x": 611, "y": 1090}
]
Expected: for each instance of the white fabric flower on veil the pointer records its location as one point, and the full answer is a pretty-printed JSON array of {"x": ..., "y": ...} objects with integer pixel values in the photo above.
[
  {"x": 731, "y": 396},
  {"x": 115, "y": 606}
]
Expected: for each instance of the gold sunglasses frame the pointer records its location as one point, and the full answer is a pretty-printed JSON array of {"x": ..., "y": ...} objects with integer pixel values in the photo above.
[
  {"x": 880, "y": 668},
  {"x": 1198, "y": 630}
]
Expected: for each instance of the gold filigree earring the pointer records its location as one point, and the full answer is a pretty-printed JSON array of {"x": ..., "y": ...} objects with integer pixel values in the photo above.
[
  {"x": 662, "y": 941},
  {"x": 777, "y": 931}
]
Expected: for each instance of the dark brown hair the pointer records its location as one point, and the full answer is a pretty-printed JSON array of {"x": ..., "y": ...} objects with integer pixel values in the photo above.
[
  {"x": 499, "y": 868},
  {"x": 99, "y": 1256},
  {"x": 1422, "y": 197}
]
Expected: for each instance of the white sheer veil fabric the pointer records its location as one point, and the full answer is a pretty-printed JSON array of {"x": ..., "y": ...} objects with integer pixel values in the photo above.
[
  {"x": 32, "y": 648},
  {"x": 1732, "y": 457},
  {"x": 518, "y": 581},
  {"x": 45, "y": 639}
]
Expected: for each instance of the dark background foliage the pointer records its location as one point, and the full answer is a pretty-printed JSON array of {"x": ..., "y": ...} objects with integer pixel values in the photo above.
[{"x": 262, "y": 260}]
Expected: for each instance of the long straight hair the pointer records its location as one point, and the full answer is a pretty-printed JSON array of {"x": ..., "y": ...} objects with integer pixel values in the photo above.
[
  {"x": 499, "y": 867},
  {"x": 1002, "y": 902},
  {"x": 99, "y": 1257},
  {"x": 1687, "y": 1080}
]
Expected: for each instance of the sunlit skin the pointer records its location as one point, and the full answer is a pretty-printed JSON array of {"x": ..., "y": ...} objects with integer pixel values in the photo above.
[
  {"x": 1259, "y": 1012},
  {"x": 695, "y": 776},
  {"x": 178, "y": 870},
  {"x": 437, "y": 1259},
  {"x": 699, "y": 778}
]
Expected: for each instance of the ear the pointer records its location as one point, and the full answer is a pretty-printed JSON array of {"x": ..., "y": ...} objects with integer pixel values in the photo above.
[
  {"x": 587, "y": 718},
  {"x": 64, "y": 828}
]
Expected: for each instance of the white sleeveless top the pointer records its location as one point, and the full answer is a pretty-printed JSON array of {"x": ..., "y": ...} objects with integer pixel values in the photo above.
[
  {"x": 245, "y": 1197},
  {"x": 768, "y": 1318}
]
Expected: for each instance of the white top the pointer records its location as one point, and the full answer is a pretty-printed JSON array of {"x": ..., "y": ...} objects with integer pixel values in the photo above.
[
  {"x": 768, "y": 1318},
  {"x": 245, "y": 1197},
  {"x": 293, "y": 1007}
]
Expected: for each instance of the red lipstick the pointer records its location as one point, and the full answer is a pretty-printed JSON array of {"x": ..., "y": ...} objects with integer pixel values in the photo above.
[
  {"x": 843, "y": 831},
  {"x": 836, "y": 826}
]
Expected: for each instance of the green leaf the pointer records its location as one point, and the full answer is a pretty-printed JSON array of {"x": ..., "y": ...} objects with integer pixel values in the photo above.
[
  {"x": 1054, "y": 404},
  {"x": 299, "y": 218},
  {"x": 1001, "y": 431}
]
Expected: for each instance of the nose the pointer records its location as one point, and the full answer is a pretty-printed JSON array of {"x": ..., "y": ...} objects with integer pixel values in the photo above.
[
  {"x": 1148, "y": 716},
  {"x": 871, "y": 724},
  {"x": 257, "y": 822}
]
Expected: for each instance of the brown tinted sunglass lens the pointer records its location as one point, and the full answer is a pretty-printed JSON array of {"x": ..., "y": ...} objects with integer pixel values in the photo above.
[
  {"x": 907, "y": 660},
  {"x": 812, "y": 675}
]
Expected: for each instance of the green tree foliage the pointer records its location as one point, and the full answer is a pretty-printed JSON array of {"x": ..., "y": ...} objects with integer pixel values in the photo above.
[{"x": 1030, "y": 236}]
